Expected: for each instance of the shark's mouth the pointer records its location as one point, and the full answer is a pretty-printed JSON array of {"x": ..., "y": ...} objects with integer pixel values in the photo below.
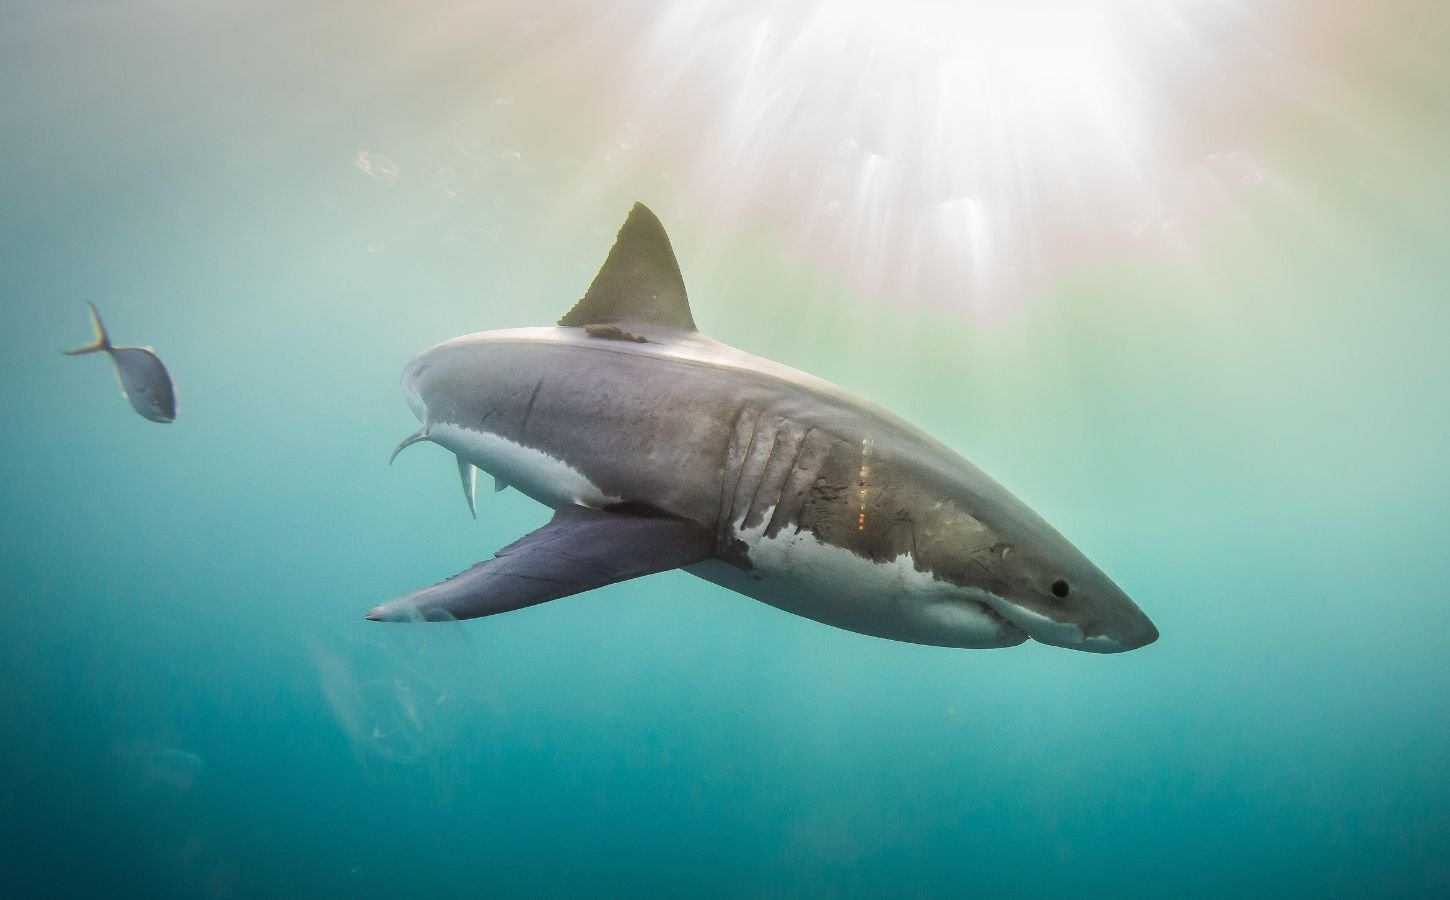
[
  {"x": 1031, "y": 624},
  {"x": 1009, "y": 627}
]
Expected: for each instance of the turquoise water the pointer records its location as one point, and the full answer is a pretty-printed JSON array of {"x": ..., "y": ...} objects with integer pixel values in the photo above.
[{"x": 1243, "y": 423}]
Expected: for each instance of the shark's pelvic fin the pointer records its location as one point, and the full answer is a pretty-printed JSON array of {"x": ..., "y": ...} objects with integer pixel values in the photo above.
[
  {"x": 499, "y": 484},
  {"x": 580, "y": 549},
  {"x": 639, "y": 283},
  {"x": 420, "y": 435},
  {"x": 469, "y": 476},
  {"x": 102, "y": 340}
]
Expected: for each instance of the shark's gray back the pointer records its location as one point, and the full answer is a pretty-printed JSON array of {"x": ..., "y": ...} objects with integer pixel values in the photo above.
[{"x": 770, "y": 446}]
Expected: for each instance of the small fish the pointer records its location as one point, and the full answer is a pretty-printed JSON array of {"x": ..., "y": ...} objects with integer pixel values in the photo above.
[{"x": 144, "y": 379}]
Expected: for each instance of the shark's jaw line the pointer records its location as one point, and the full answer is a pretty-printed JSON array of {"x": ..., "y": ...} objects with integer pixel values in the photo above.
[
  {"x": 1046, "y": 630},
  {"x": 1039, "y": 627}
]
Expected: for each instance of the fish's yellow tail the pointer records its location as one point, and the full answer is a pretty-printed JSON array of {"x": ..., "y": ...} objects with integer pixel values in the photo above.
[{"x": 102, "y": 341}]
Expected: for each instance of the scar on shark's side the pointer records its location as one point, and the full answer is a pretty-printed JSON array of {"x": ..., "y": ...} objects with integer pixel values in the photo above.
[{"x": 614, "y": 333}]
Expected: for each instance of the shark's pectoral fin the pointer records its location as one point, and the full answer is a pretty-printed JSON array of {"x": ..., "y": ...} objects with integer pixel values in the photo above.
[
  {"x": 469, "y": 476},
  {"x": 578, "y": 550}
]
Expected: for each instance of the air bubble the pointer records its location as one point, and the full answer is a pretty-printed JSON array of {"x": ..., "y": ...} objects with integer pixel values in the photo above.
[
  {"x": 403, "y": 694},
  {"x": 377, "y": 166}
]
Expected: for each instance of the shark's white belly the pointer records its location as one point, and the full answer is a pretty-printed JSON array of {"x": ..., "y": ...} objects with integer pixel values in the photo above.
[
  {"x": 799, "y": 574},
  {"x": 549, "y": 480}
]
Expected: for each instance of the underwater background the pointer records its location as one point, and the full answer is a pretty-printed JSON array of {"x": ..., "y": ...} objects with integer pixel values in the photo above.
[{"x": 1173, "y": 272}]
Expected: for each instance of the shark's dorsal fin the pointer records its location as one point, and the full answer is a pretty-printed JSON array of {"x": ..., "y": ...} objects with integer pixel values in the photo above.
[{"x": 639, "y": 283}]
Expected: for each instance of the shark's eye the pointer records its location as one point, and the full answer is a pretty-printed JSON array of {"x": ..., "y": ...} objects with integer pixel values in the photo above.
[{"x": 1060, "y": 588}]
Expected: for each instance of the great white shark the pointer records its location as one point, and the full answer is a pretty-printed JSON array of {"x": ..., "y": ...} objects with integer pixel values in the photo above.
[{"x": 659, "y": 448}]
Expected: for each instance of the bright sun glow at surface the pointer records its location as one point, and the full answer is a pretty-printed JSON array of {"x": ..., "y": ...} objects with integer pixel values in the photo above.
[
  {"x": 937, "y": 129},
  {"x": 952, "y": 154}
]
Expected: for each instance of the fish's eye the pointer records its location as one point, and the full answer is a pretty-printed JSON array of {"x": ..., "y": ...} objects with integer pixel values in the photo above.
[{"x": 1060, "y": 588}]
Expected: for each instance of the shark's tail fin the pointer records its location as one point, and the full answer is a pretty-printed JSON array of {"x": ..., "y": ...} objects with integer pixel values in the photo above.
[{"x": 102, "y": 340}]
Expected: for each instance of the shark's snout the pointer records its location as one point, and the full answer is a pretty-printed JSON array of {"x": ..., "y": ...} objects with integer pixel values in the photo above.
[
  {"x": 1107, "y": 623},
  {"x": 1130, "y": 630}
]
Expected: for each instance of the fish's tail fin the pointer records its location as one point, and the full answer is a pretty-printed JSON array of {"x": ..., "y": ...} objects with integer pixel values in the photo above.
[{"x": 102, "y": 340}]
